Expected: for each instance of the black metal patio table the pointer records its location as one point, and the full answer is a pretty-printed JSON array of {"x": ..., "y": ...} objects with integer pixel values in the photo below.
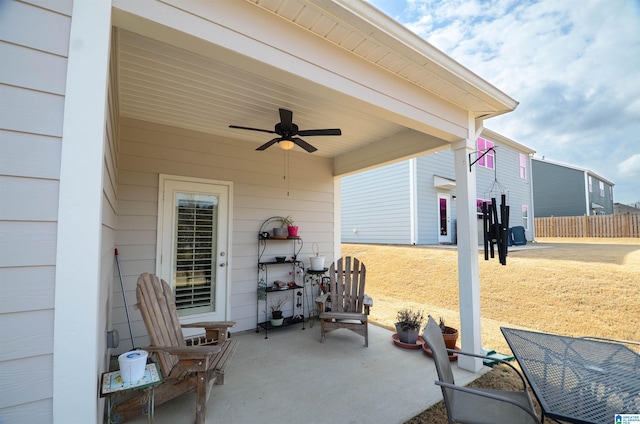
[{"x": 578, "y": 380}]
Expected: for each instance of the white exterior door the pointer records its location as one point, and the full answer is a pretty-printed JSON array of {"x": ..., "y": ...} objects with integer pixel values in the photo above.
[
  {"x": 444, "y": 218},
  {"x": 193, "y": 246}
]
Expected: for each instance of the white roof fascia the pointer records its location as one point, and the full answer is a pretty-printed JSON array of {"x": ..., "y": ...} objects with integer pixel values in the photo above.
[
  {"x": 401, "y": 40},
  {"x": 487, "y": 133}
]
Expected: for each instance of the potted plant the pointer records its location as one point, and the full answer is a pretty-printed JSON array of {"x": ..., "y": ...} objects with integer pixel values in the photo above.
[
  {"x": 449, "y": 334},
  {"x": 276, "y": 311},
  {"x": 286, "y": 227},
  {"x": 292, "y": 230},
  {"x": 408, "y": 323}
]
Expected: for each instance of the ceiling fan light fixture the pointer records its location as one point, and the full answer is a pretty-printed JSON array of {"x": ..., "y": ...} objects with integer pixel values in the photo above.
[{"x": 286, "y": 144}]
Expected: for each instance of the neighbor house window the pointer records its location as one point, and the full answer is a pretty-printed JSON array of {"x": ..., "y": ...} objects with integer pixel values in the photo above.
[
  {"x": 590, "y": 184},
  {"x": 479, "y": 206},
  {"x": 523, "y": 166},
  {"x": 488, "y": 160},
  {"x": 601, "y": 186},
  {"x": 525, "y": 217}
]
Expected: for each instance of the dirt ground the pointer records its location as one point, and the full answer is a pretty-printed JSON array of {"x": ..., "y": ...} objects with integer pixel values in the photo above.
[{"x": 574, "y": 287}]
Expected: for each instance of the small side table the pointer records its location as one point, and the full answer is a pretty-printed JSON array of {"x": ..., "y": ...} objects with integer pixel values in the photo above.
[
  {"x": 112, "y": 385},
  {"x": 317, "y": 277}
]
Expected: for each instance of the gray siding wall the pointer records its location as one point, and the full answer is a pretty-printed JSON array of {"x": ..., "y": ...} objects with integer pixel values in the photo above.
[
  {"x": 31, "y": 113},
  {"x": 507, "y": 174},
  {"x": 381, "y": 194},
  {"x": 147, "y": 150},
  {"x": 558, "y": 190},
  {"x": 375, "y": 204},
  {"x": 440, "y": 164},
  {"x": 605, "y": 200}
]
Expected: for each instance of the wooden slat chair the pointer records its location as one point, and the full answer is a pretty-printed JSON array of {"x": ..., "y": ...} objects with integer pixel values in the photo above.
[
  {"x": 185, "y": 364},
  {"x": 345, "y": 305}
]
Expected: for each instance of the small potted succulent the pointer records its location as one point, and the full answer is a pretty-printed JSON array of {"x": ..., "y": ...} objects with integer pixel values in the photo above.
[
  {"x": 408, "y": 323},
  {"x": 449, "y": 334},
  {"x": 276, "y": 311}
]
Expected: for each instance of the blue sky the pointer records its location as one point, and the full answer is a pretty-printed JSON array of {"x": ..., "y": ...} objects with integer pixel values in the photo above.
[{"x": 574, "y": 66}]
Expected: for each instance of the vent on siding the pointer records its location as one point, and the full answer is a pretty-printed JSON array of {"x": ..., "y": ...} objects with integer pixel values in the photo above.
[{"x": 195, "y": 253}]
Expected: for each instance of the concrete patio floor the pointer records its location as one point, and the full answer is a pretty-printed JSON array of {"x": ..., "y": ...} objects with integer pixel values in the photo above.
[{"x": 293, "y": 378}]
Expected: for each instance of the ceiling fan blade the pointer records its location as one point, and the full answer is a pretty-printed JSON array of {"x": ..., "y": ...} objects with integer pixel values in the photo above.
[
  {"x": 252, "y": 129},
  {"x": 306, "y": 146},
  {"x": 270, "y": 143},
  {"x": 286, "y": 119},
  {"x": 331, "y": 131}
]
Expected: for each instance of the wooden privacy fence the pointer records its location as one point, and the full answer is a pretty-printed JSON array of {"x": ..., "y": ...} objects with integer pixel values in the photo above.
[{"x": 589, "y": 226}]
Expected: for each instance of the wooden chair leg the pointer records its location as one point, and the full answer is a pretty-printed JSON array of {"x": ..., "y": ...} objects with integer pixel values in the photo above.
[
  {"x": 201, "y": 397},
  {"x": 366, "y": 335}
]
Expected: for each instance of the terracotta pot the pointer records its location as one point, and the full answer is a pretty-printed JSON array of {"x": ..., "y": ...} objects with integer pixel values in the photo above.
[{"x": 450, "y": 337}]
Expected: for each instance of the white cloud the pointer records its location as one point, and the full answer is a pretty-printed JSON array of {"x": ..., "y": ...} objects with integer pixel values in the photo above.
[
  {"x": 631, "y": 168},
  {"x": 574, "y": 70}
]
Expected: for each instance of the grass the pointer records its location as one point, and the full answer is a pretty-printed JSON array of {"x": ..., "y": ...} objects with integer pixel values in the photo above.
[{"x": 573, "y": 287}]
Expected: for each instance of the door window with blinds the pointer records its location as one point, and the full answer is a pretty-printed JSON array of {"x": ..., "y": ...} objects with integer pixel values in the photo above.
[
  {"x": 192, "y": 234},
  {"x": 195, "y": 246}
]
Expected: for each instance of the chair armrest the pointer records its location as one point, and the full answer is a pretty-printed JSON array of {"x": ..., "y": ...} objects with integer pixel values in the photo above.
[
  {"x": 209, "y": 324},
  {"x": 491, "y": 395},
  {"x": 502, "y": 361},
  {"x": 186, "y": 352},
  {"x": 214, "y": 330}
]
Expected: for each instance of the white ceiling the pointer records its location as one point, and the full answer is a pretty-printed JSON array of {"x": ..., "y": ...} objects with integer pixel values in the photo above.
[{"x": 163, "y": 83}]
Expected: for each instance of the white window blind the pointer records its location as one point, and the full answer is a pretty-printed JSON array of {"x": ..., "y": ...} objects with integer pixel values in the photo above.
[{"x": 195, "y": 238}]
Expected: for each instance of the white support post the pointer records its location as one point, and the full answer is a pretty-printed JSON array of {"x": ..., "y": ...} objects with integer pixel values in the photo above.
[
  {"x": 79, "y": 343},
  {"x": 468, "y": 273}
]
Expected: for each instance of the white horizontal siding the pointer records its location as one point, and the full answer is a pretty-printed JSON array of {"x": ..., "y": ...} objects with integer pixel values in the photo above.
[
  {"x": 31, "y": 26},
  {"x": 26, "y": 334},
  {"x": 28, "y": 199},
  {"x": 259, "y": 192},
  {"x": 33, "y": 69},
  {"x": 27, "y": 243},
  {"x": 26, "y": 288},
  {"x": 25, "y": 381},
  {"x": 40, "y": 411},
  {"x": 34, "y": 40},
  {"x": 31, "y": 111},
  {"x": 29, "y": 155}
]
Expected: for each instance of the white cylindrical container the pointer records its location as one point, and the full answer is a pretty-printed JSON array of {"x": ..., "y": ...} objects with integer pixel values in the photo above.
[
  {"x": 317, "y": 263},
  {"x": 132, "y": 365}
]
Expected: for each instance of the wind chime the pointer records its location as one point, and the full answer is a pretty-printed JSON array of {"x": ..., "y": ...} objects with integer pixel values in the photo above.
[{"x": 495, "y": 226}]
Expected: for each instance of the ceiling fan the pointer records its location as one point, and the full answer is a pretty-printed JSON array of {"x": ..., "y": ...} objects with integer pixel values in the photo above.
[{"x": 288, "y": 131}]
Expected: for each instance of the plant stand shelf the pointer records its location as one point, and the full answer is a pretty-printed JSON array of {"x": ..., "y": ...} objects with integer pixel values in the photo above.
[{"x": 290, "y": 270}]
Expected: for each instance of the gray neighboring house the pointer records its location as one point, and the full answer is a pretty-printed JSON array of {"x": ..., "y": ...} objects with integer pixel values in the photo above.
[
  {"x": 620, "y": 209},
  {"x": 414, "y": 201},
  {"x": 564, "y": 190}
]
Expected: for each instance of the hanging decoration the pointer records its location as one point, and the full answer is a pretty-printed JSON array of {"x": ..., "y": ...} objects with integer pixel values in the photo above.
[{"x": 495, "y": 226}]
